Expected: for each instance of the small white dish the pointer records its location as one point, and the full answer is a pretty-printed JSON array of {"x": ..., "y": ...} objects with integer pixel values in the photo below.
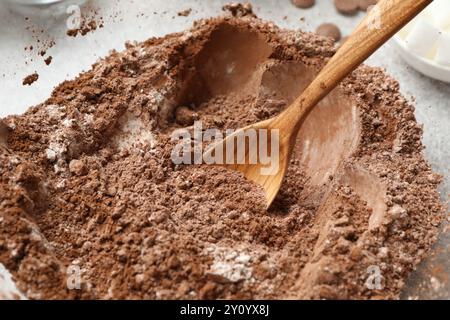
[
  {"x": 424, "y": 41},
  {"x": 426, "y": 66}
]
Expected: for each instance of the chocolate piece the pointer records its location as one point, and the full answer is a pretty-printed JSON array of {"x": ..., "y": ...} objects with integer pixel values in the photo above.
[
  {"x": 304, "y": 4},
  {"x": 347, "y": 7},
  {"x": 364, "y": 5},
  {"x": 329, "y": 30}
]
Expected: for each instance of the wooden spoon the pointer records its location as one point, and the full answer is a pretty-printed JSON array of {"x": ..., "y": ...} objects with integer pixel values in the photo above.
[{"x": 381, "y": 23}]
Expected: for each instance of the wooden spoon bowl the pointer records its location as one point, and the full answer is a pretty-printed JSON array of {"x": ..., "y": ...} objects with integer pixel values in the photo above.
[{"x": 382, "y": 22}]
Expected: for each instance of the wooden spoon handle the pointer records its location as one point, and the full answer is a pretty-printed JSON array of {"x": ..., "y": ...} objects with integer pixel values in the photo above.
[{"x": 381, "y": 23}]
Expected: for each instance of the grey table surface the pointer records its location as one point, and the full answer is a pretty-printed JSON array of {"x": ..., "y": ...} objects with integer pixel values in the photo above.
[{"x": 138, "y": 20}]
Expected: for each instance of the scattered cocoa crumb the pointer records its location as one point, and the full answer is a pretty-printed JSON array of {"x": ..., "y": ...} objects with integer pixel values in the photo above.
[
  {"x": 48, "y": 60},
  {"x": 30, "y": 79},
  {"x": 72, "y": 32},
  {"x": 85, "y": 28},
  {"x": 90, "y": 21},
  {"x": 185, "y": 13},
  {"x": 43, "y": 39}
]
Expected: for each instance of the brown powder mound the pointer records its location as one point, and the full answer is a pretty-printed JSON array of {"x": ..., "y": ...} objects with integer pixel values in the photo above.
[{"x": 87, "y": 179}]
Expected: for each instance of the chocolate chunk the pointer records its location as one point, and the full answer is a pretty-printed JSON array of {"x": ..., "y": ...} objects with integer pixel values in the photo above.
[
  {"x": 347, "y": 7},
  {"x": 364, "y": 5},
  {"x": 304, "y": 4},
  {"x": 329, "y": 30}
]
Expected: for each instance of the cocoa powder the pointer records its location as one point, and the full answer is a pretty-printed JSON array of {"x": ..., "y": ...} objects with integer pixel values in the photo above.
[{"x": 88, "y": 183}]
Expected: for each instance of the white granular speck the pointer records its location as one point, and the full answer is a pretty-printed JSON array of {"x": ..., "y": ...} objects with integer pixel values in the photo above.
[
  {"x": 51, "y": 154},
  {"x": 231, "y": 264},
  {"x": 68, "y": 123}
]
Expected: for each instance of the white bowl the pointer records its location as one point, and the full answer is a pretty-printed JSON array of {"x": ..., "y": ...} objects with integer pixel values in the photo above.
[{"x": 423, "y": 65}]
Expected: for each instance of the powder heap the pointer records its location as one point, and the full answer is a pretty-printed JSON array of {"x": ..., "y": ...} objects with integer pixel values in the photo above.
[{"x": 88, "y": 187}]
